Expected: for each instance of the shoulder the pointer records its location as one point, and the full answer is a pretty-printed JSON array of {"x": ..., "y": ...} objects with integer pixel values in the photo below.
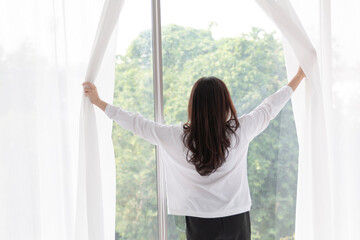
[
  {"x": 172, "y": 139},
  {"x": 245, "y": 122},
  {"x": 244, "y": 119},
  {"x": 174, "y": 130},
  {"x": 177, "y": 128}
]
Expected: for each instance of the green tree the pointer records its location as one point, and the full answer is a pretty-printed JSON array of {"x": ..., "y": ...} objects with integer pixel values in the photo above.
[{"x": 252, "y": 66}]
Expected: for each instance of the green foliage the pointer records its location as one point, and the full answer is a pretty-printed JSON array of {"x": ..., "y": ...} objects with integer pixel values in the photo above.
[{"x": 253, "y": 68}]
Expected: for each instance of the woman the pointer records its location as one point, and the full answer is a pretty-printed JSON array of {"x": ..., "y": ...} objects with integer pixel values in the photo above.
[{"x": 205, "y": 159}]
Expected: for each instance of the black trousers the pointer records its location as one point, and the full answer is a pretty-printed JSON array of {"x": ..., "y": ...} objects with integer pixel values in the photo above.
[{"x": 235, "y": 227}]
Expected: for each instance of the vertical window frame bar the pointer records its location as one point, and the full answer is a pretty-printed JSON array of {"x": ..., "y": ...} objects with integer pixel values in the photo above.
[{"x": 159, "y": 115}]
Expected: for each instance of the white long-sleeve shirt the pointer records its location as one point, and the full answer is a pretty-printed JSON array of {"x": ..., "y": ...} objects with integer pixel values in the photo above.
[{"x": 226, "y": 191}]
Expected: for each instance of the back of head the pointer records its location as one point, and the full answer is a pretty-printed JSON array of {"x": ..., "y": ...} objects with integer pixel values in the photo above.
[{"x": 211, "y": 121}]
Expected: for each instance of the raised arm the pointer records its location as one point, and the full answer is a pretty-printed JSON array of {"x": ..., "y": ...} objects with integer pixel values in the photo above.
[
  {"x": 153, "y": 132},
  {"x": 258, "y": 119}
]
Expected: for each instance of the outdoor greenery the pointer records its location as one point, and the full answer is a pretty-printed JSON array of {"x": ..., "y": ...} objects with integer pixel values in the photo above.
[{"x": 252, "y": 66}]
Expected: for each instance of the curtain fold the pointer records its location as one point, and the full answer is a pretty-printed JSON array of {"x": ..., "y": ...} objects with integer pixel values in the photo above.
[
  {"x": 91, "y": 205},
  {"x": 314, "y": 202},
  {"x": 333, "y": 27},
  {"x": 327, "y": 129},
  {"x": 44, "y": 53}
]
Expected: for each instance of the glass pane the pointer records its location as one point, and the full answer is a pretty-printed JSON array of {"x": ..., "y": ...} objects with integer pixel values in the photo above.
[
  {"x": 236, "y": 42},
  {"x": 136, "y": 204}
]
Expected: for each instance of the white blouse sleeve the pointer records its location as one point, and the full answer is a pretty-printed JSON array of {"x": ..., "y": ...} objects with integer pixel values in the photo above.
[
  {"x": 258, "y": 119},
  {"x": 155, "y": 133}
]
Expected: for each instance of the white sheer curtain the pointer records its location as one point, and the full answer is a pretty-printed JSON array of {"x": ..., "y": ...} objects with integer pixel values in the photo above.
[
  {"x": 95, "y": 206},
  {"x": 45, "y": 48},
  {"x": 334, "y": 28},
  {"x": 326, "y": 109}
]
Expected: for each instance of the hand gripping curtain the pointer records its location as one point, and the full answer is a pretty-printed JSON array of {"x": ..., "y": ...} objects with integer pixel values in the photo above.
[
  {"x": 313, "y": 206},
  {"x": 89, "y": 221}
]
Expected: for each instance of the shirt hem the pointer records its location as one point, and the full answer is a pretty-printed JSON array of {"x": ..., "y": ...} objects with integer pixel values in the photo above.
[{"x": 210, "y": 214}]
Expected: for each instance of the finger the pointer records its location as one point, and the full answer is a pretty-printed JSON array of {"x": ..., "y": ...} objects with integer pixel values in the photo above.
[{"x": 89, "y": 86}]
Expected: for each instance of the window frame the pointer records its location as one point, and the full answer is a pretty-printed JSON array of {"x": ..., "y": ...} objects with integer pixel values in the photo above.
[{"x": 158, "y": 115}]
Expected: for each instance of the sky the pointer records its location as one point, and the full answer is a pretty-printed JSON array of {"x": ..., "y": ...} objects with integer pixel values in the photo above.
[
  {"x": 38, "y": 20},
  {"x": 232, "y": 17}
]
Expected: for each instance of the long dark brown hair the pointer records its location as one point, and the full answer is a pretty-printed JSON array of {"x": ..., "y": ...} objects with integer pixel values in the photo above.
[{"x": 211, "y": 121}]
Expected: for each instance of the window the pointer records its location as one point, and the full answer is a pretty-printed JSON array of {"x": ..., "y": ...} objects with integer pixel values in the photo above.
[
  {"x": 235, "y": 42},
  {"x": 136, "y": 205}
]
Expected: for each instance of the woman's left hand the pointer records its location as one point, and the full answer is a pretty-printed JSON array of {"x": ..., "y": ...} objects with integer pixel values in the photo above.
[{"x": 91, "y": 92}]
